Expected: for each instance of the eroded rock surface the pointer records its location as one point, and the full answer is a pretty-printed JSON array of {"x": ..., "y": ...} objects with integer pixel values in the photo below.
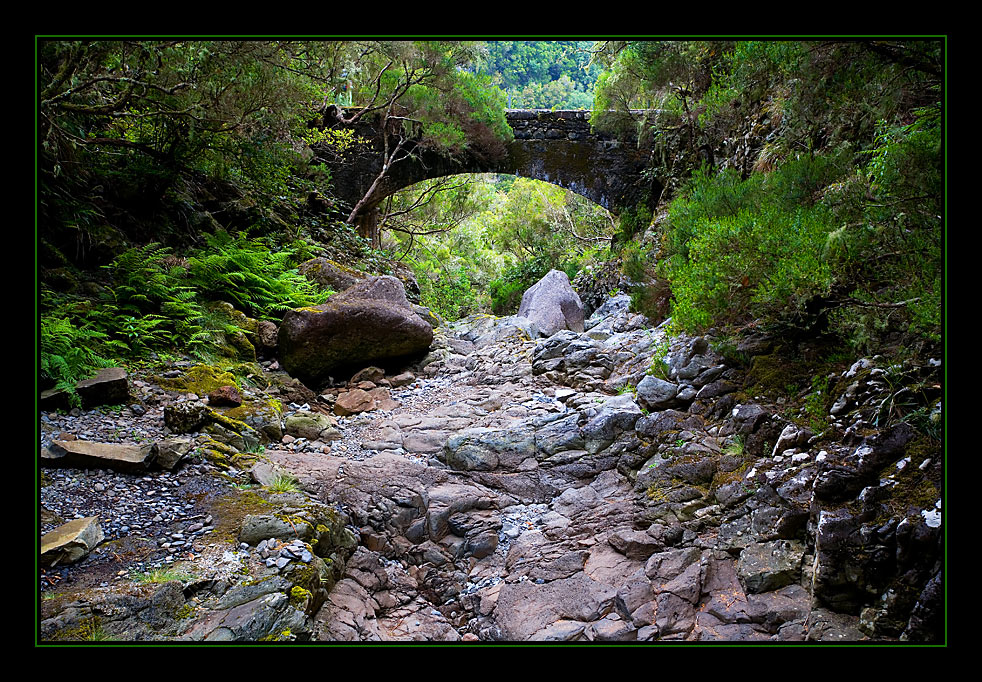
[
  {"x": 609, "y": 485},
  {"x": 559, "y": 492}
]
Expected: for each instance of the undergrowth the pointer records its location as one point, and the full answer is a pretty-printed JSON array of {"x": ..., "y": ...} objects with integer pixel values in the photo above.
[{"x": 156, "y": 303}]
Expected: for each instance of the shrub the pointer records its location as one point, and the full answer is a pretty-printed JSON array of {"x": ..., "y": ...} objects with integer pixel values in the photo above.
[
  {"x": 506, "y": 291},
  {"x": 451, "y": 294},
  {"x": 738, "y": 249}
]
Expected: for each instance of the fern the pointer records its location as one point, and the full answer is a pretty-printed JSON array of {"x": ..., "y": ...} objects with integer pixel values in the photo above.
[
  {"x": 250, "y": 276},
  {"x": 156, "y": 303},
  {"x": 68, "y": 354}
]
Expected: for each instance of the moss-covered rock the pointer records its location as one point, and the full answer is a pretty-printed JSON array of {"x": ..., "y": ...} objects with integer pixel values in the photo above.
[
  {"x": 200, "y": 380},
  {"x": 265, "y": 416}
]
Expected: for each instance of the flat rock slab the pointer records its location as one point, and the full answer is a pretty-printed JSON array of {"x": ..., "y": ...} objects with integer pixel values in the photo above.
[
  {"x": 85, "y": 454},
  {"x": 107, "y": 387},
  {"x": 71, "y": 542},
  {"x": 526, "y": 610}
]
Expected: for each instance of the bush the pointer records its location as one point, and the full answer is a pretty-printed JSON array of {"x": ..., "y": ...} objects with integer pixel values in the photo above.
[
  {"x": 751, "y": 248},
  {"x": 451, "y": 294},
  {"x": 506, "y": 291},
  {"x": 820, "y": 239},
  {"x": 157, "y": 303},
  {"x": 633, "y": 221}
]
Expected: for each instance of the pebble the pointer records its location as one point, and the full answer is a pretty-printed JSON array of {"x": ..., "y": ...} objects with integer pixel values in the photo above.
[{"x": 125, "y": 503}]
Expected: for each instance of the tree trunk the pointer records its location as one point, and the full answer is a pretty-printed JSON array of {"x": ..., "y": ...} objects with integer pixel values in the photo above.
[{"x": 366, "y": 222}]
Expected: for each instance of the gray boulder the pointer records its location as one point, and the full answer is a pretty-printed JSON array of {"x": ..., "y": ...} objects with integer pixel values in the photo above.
[
  {"x": 552, "y": 304},
  {"x": 657, "y": 393}
]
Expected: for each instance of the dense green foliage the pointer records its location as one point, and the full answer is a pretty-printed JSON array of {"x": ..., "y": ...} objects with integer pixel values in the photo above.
[
  {"x": 833, "y": 219},
  {"x": 480, "y": 244},
  {"x": 543, "y": 74},
  {"x": 427, "y": 85},
  {"x": 156, "y": 302},
  {"x": 805, "y": 179},
  {"x": 178, "y": 144},
  {"x": 818, "y": 235},
  {"x": 746, "y": 249}
]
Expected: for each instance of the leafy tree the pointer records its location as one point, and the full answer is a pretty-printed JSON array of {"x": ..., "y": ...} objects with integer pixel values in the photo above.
[
  {"x": 539, "y": 220},
  {"x": 543, "y": 74},
  {"x": 425, "y": 100}
]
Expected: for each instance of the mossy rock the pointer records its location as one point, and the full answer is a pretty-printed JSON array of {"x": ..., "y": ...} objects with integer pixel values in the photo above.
[
  {"x": 230, "y": 315},
  {"x": 236, "y": 346},
  {"x": 329, "y": 274},
  {"x": 218, "y": 453},
  {"x": 311, "y": 583},
  {"x": 200, "y": 380},
  {"x": 263, "y": 416}
]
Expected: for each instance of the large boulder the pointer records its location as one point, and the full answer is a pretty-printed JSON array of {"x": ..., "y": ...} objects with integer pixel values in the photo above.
[
  {"x": 371, "y": 322},
  {"x": 72, "y": 541},
  {"x": 552, "y": 304}
]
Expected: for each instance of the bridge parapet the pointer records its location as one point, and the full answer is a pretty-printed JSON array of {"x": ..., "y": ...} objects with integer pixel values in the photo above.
[{"x": 545, "y": 124}]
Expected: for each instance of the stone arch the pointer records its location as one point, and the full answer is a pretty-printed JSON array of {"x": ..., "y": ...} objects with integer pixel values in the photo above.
[{"x": 558, "y": 147}]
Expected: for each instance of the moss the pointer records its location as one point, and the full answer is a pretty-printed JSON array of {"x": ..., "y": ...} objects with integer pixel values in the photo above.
[
  {"x": 185, "y": 611},
  {"x": 254, "y": 409},
  {"x": 299, "y": 596},
  {"x": 771, "y": 375},
  {"x": 230, "y": 510},
  {"x": 218, "y": 453},
  {"x": 657, "y": 492},
  {"x": 231, "y": 317},
  {"x": 236, "y": 346},
  {"x": 200, "y": 379},
  {"x": 230, "y": 423},
  {"x": 88, "y": 630},
  {"x": 914, "y": 490},
  {"x": 726, "y": 477}
]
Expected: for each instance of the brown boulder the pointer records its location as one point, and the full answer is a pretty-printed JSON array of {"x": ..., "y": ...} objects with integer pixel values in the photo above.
[
  {"x": 108, "y": 387},
  {"x": 373, "y": 374},
  {"x": 225, "y": 396},
  {"x": 405, "y": 274},
  {"x": 360, "y": 400},
  {"x": 369, "y": 323},
  {"x": 266, "y": 337},
  {"x": 353, "y": 402},
  {"x": 72, "y": 541}
]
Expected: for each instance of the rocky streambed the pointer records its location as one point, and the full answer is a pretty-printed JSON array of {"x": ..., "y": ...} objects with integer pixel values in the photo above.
[{"x": 607, "y": 485}]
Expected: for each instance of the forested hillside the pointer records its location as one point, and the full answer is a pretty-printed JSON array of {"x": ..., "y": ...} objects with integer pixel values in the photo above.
[
  {"x": 739, "y": 390},
  {"x": 543, "y": 74}
]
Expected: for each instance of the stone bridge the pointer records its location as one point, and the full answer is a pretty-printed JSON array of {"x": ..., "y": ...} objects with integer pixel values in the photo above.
[{"x": 558, "y": 147}]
